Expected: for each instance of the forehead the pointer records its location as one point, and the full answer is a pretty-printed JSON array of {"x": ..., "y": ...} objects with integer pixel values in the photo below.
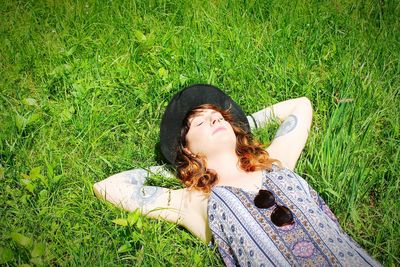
[{"x": 202, "y": 112}]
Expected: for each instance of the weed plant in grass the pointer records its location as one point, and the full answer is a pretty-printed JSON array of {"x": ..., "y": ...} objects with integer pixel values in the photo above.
[{"x": 84, "y": 84}]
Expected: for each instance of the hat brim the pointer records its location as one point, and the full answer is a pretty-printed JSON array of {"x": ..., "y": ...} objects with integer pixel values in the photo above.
[{"x": 182, "y": 103}]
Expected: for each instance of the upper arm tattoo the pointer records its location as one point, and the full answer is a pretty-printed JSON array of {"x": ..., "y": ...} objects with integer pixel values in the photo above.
[{"x": 287, "y": 126}]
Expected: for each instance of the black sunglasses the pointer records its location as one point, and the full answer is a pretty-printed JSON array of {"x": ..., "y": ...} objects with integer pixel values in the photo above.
[{"x": 281, "y": 215}]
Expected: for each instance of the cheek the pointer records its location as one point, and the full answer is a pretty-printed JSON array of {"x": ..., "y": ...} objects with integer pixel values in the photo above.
[
  {"x": 193, "y": 138},
  {"x": 229, "y": 128},
  {"x": 198, "y": 140},
  {"x": 231, "y": 136},
  {"x": 190, "y": 137}
]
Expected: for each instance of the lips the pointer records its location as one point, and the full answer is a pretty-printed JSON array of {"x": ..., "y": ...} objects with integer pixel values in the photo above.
[{"x": 218, "y": 130}]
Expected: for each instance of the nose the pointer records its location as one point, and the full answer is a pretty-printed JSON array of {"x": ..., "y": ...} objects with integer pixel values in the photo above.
[{"x": 214, "y": 120}]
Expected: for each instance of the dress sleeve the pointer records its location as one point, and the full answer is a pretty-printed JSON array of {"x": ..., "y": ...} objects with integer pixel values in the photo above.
[{"x": 219, "y": 236}]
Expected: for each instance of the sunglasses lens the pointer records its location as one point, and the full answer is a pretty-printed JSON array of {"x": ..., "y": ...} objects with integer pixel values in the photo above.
[
  {"x": 282, "y": 216},
  {"x": 264, "y": 199}
]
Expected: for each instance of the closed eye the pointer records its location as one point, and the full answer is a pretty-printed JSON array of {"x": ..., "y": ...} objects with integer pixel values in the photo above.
[{"x": 199, "y": 123}]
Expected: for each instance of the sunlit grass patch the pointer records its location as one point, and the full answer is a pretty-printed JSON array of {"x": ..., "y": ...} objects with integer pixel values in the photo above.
[{"x": 84, "y": 85}]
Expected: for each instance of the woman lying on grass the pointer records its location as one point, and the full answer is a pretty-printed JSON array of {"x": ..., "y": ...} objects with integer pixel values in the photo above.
[{"x": 257, "y": 210}]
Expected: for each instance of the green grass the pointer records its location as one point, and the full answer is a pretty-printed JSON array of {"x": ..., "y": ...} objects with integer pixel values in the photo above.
[{"x": 84, "y": 84}]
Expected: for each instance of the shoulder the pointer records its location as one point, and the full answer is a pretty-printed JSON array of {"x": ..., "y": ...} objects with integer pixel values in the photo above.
[{"x": 194, "y": 198}]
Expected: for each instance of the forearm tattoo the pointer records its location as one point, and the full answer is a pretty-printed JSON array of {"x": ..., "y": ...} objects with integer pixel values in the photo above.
[
  {"x": 287, "y": 126},
  {"x": 145, "y": 195}
]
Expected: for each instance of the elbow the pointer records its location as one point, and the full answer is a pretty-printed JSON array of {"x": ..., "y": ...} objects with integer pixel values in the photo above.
[
  {"x": 306, "y": 102},
  {"x": 98, "y": 190},
  {"x": 306, "y": 105},
  {"x": 305, "y": 110}
]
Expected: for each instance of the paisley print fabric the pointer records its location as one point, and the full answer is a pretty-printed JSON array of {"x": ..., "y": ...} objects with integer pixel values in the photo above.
[{"x": 246, "y": 236}]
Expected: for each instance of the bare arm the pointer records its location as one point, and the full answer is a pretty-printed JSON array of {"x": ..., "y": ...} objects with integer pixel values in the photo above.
[
  {"x": 127, "y": 191},
  {"x": 289, "y": 141}
]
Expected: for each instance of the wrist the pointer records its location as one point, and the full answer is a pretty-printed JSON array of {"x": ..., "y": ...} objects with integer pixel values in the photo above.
[{"x": 262, "y": 117}]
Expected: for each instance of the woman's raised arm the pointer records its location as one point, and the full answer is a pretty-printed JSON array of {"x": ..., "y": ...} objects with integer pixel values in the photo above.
[
  {"x": 295, "y": 116},
  {"x": 126, "y": 190}
]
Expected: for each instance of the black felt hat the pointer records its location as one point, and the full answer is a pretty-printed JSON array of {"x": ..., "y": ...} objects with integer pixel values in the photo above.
[{"x": 182, "y": 103}]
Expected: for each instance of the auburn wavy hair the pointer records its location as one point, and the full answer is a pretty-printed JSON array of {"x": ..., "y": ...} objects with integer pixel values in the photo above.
[{"x": 192, "y": 169}]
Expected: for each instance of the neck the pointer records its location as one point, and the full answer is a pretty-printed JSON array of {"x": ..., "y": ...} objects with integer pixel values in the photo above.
[{"x": 226, "y": 166}]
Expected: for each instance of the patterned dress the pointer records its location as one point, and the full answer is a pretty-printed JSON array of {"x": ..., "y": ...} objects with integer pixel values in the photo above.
[{"x": 246, "y": 236}]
